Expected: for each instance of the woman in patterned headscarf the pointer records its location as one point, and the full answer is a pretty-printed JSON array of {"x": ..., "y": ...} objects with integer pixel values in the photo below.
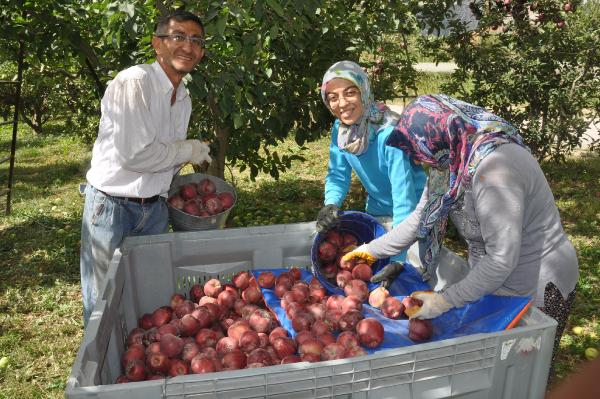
[
  {"x": 484, "y": 178},
  {"x": 358, "y": 137}
]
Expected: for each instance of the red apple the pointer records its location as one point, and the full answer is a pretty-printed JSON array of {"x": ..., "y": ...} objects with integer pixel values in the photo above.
[
  {"x": 420, "y": 330},
  {"x": 350, "y": 320},
  {"x": 358, "y": 288},
  {"x": 241, "y": 280},
  {"x": 171, "y": 345},
  {"x": 135, "y": 370},
  {"x": 178, "y": 367},
  {"x": 370, "y": 332},
  {"x": 192, "y": 208},
  {"x": 212, "y": 204},
  {"x": 158, "y": 363},
  {"x": 411, "y": 305},
  {"x": 333, "y": 351},
  {"x": 206, "y": 186},
  {"x": 377, "y": 296},
  {"x": 234, "y": 360},
  {"x": 227, "y": 199},
  {"x": 188, "y": 191},
  {"x": 266, "y": 279},
  {"x": 213, "y": 287},
  {"x": 226, "y": 345},
  {"x": 201, "y": 365},
  {"x": 196, "y": 292},
  {"x": 160, "y": 316},
  {"x": 392, "y": 308}
]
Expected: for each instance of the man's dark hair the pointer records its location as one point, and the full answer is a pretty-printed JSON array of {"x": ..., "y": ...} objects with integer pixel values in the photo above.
[{"x": 179, "y": 15}]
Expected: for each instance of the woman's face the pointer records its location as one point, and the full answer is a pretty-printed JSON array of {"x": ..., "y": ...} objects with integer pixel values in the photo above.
[{"x": 344, "y": 100}]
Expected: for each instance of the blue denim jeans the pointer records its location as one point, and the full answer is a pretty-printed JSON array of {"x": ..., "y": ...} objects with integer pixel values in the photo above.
[{"x": 105, "y": 223}]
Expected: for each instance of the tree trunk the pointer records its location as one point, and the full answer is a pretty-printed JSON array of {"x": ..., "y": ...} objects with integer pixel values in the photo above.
[
  {"x": 222, "y": 133},
  {"x": 217, "y": 166}
]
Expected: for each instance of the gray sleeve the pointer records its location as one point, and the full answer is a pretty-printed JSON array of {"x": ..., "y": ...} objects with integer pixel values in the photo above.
[
  {"x": 402, "y": 236},
  {"x": 498, "y": 197}
]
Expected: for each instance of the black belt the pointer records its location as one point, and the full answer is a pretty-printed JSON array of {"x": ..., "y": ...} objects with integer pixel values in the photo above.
[{"x": 138, "y": 200}]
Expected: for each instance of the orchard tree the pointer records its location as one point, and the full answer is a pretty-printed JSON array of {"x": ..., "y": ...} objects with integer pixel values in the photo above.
[
  {"x": 61, "y": 77},
  {"x": 536, "y": 63},
  {"x": 259, "y": 81}
]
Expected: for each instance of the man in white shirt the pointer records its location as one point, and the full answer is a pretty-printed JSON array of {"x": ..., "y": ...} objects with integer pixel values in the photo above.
[{"x": 141, "y": 143}]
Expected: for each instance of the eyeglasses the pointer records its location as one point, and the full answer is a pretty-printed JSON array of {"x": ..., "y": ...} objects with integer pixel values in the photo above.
[
  {"x": 180, "y": 39},
  {"x": 349, "y": 94}
]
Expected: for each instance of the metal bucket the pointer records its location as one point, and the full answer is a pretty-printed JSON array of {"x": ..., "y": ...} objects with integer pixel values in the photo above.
[{"x": 182, "y": 221}]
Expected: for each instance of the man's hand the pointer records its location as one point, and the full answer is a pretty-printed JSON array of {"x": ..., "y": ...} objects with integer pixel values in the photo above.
[
  {"x": 328, "y": 218},
  {"x": 200, "y": 152},
  {"x": 388, "y": 274},
  {"x": 434, "y": 305},
  {"x": 361, "y": 252}
]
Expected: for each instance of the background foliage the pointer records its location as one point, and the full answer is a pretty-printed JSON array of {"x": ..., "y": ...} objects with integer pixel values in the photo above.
[
  {"x": 257, "y": 93},
  {"x": 536, "y": 63},
  {"x": 530, "y": 61}
]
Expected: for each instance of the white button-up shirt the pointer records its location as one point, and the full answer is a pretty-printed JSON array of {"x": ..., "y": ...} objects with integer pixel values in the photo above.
[{"x": 136, "y": 152}]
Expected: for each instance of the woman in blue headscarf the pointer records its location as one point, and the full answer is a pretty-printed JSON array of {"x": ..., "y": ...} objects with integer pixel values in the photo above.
[
  {"x": 358, "y": 137},
  {"x": 487, "y": 182}
]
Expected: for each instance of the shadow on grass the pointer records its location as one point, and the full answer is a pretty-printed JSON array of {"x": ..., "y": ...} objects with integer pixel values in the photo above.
[
  {"x": 289, "y": 200},
  {"x": 51, "y": 130},
  {"x": 39, "y": 251},
  {"x": 576, "y": 188},
  {"x": 34, "y": 182}
]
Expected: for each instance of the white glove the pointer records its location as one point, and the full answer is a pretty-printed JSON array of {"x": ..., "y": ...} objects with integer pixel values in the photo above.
[
  {"x": 199, "y": 152},
  {"x": 434, "y": 305}
]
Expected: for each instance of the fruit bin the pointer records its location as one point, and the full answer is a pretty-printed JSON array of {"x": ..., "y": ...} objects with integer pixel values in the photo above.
[{"x": 148, "y": 270}]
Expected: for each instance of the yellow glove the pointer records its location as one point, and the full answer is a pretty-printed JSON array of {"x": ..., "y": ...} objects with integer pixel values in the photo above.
[
  {"x": 434, "y": 305},
  {"x": 361, "y": 252}
]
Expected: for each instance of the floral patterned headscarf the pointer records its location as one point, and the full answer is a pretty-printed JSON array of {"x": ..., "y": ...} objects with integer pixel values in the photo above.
[
  {"x": 452, "y": 137},
  {"x": 355, "y": 138}
]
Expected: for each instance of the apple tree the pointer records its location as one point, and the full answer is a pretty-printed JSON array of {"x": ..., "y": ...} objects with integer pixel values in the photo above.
[
  {"x": 536, "y": 63},
  {"x": 60, "y": 81},
  {"x": 259, "y": 81}
]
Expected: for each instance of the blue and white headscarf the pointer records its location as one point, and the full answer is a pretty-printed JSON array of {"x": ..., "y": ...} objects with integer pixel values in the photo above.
[{"x": 355, "y": 138}]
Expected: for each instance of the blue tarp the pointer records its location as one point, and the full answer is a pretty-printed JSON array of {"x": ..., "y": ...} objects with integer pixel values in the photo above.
[{"x": 489, "y": 314}]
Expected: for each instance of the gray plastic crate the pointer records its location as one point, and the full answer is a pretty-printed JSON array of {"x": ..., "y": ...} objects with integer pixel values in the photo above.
[{"x": 148, "y": 270}]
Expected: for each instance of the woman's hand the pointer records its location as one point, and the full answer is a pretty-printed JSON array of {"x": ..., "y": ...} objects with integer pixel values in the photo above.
[
  {"x": 434, "y": 305},
  {"x": 328, "y": 218},
  {"x": 388, "y": 274},
  {"x": 362, "y": 253}
]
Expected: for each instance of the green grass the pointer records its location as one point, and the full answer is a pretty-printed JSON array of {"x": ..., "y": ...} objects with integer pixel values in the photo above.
[{"x": 40, "y": 302}]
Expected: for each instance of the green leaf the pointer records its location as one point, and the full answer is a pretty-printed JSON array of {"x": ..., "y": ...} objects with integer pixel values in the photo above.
[
  {"x": 274, "y": 31},
  {"x": 276, "y": 7},
  {"x": 268, "y": 72},
  {"x": 221, "y": 24},
  {"x": 249, "y": 97},
  {"x": 237, "y": 120},
  {"x": 128, "y": 9}
]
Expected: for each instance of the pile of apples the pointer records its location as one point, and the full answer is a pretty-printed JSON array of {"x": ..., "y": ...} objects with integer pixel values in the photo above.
[
  {"x": 353, "y": 276},
  {"x": 334, "y": 246},
  {"x": 228, "y": 327},
  {"x": 393, "y": 308},
  {"x": 317, "y": 318},
  {"x": 201, "y": 199}
]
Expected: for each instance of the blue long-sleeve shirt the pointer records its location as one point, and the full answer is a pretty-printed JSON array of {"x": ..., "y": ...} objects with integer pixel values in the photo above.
[{"x": 393, "y": 183}]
